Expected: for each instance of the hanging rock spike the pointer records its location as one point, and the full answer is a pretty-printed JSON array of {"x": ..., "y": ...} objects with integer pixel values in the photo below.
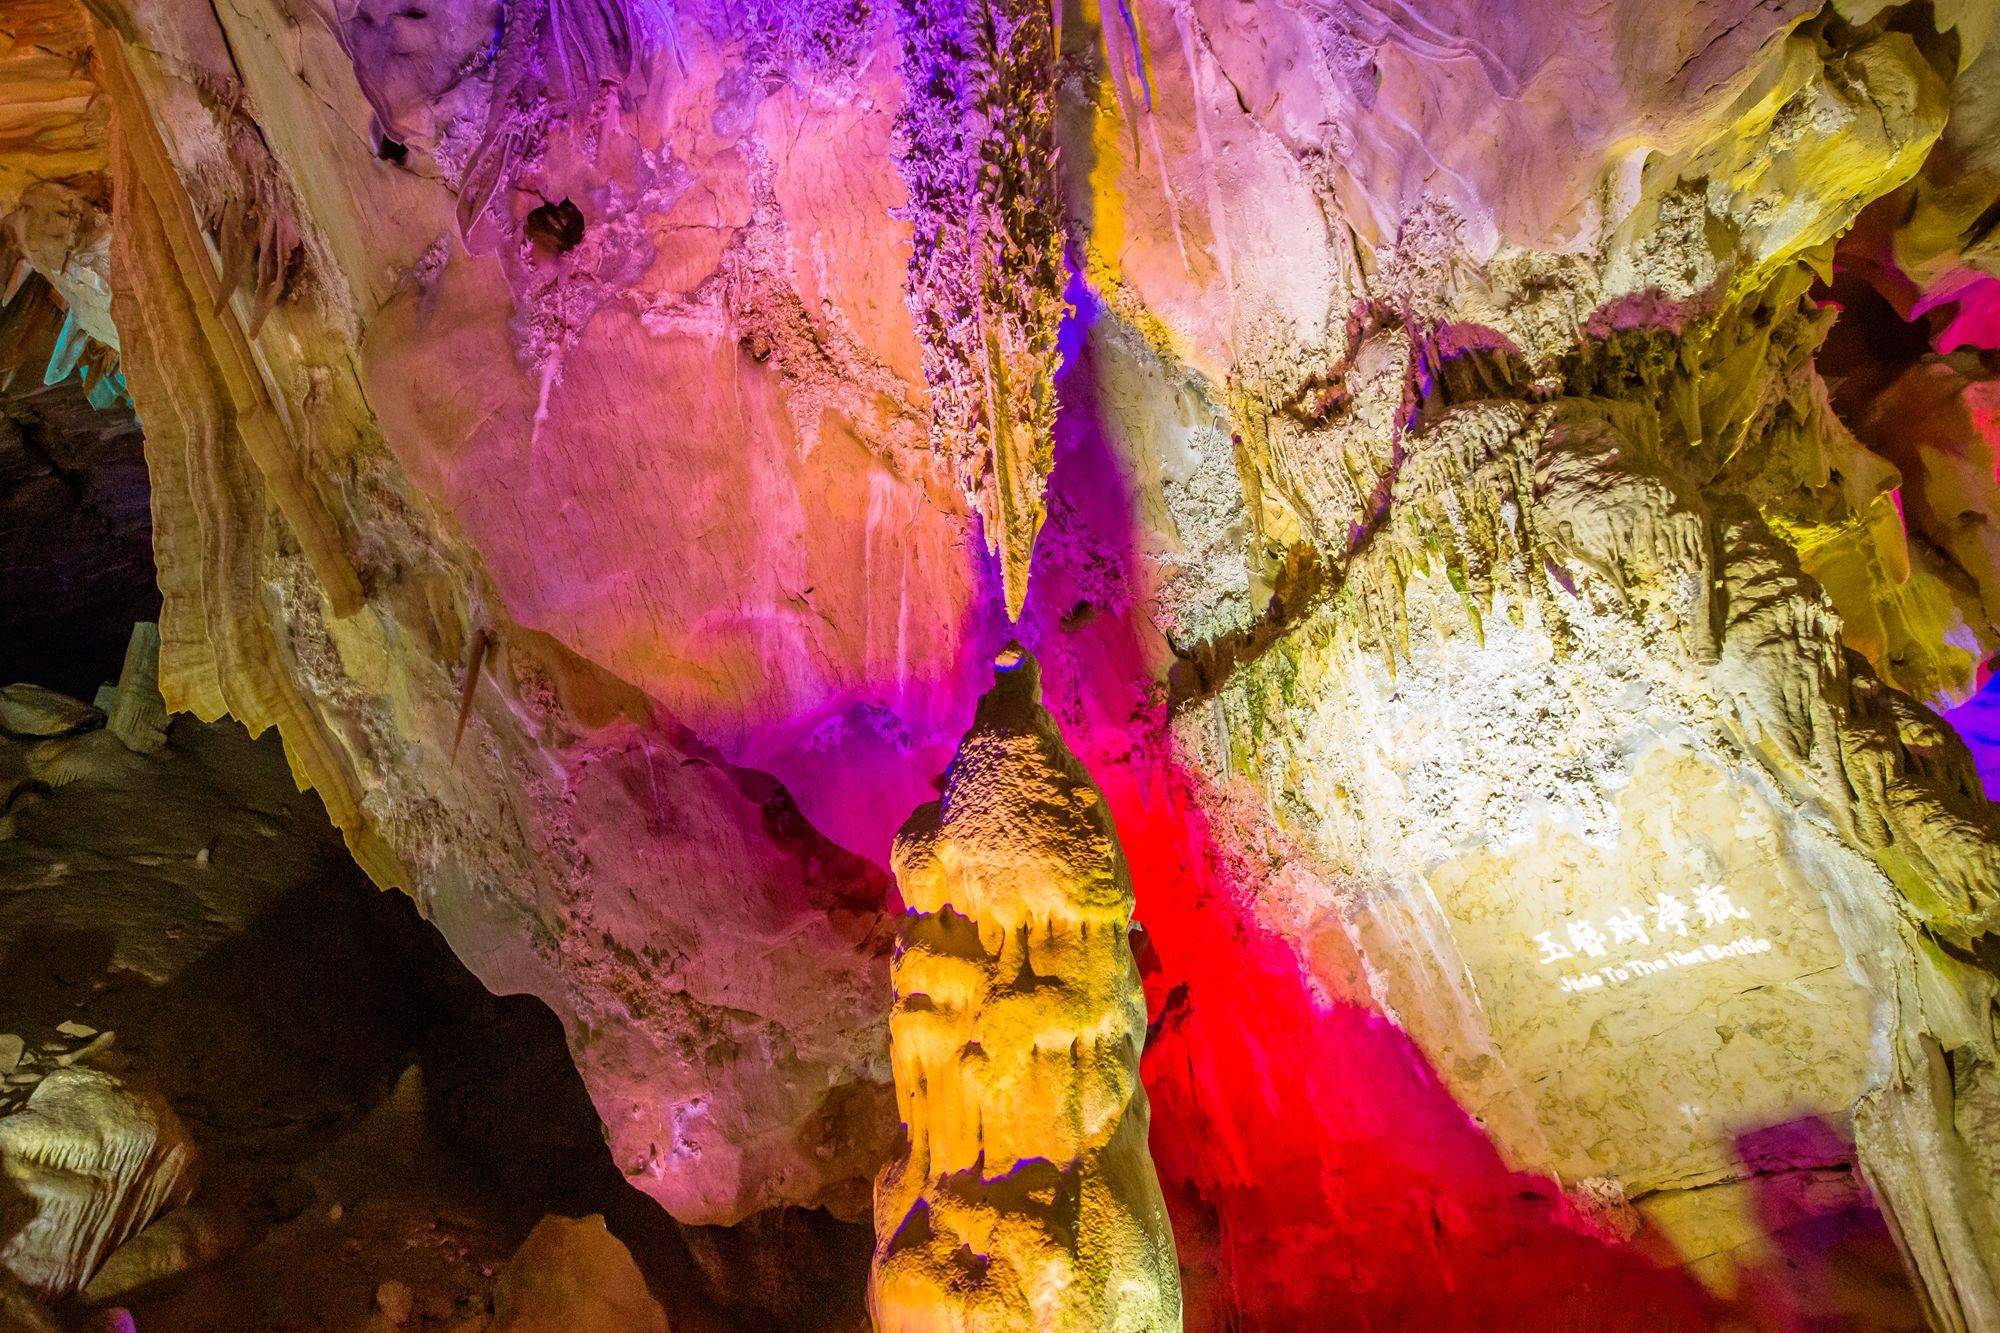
[{"x": 985, "y": 277}]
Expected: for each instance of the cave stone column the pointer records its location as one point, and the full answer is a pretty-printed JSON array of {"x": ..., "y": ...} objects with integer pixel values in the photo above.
[{"x": 1025, "y": 1197}]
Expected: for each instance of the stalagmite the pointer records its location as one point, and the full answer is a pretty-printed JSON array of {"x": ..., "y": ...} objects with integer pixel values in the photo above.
[
  {"x": 136, "y": 713},
  {"x": 571, "y": 1274},
  {"x": 1025, "y": 1197}
]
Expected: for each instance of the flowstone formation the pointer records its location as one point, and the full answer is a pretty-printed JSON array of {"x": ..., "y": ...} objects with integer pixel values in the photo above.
[
  {"x": 1024, "y": 1197},
  {"x": 89, "y": 1163}
]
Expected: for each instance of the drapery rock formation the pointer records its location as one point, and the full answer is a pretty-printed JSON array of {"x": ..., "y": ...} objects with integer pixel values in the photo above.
[
  {"x": 1024, "y": 1197},
  {"x": 91, "y": 1163},
  {"x": 1428, "y": 448}
]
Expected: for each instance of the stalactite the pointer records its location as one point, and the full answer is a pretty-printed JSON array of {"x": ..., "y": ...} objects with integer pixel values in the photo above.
[
  {"x": 985, "y": 277},
  {"x": 1025, "y": 1197}
]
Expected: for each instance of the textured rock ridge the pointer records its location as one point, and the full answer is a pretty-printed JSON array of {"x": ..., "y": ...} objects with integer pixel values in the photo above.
[
  {"x": 1025, "y": 1197},
  {"x": 241, "y": 415},
  {"x": 1560, "y": 530}
]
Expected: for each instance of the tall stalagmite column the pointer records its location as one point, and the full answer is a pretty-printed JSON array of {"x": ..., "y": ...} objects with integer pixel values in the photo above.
[{"x": 1026, "y": 1198}]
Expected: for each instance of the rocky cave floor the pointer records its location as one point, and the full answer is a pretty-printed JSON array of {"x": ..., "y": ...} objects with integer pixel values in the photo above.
[{"x": 375, "y": 1134}]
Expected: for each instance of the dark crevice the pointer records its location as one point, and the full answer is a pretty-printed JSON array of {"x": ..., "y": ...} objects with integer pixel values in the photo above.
[{"x": 76, "y": 540}]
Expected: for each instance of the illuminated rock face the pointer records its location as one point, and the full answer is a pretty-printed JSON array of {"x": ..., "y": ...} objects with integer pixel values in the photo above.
[
  {"x": 986, "y": 261},
  {"x": 1408, "y": 436},
  {"x": 1024, "y": 1197}
]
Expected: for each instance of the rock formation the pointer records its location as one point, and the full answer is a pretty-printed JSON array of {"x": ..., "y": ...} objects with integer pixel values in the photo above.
[
  {"x": 183, "y": 1241},
  {"x": 184, "y": 943},
  {"x": 986, "y": 255},
  {"x": 34, "y": 713},
  {"x": 1024, "y": 1196},
  {"x": 133, "y": 708},
  {"x": 1496, "y": 491},
  {"x": 571, "y": 1273},
  {"x": 92, "y": 1163}
]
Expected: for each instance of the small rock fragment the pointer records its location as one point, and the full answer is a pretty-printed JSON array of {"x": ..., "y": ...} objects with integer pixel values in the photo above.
[
  {"x": 571, "y": 1275},
  {"x": 11, "y": 1048},
  {"x": 396, "y": 1300},
  {"x": 69, "y": 1027},
  {"x": 95, "y": 1046}
]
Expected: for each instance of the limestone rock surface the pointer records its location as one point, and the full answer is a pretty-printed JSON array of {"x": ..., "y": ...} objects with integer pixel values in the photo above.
[
  {"x": 572, "y": 1274},
  {"x": 179, "y": 1242},
  {"x": 30, "y": 712},
  {"x": 1024, "y": 1197},
  {"x": 1461, "y": 544}
]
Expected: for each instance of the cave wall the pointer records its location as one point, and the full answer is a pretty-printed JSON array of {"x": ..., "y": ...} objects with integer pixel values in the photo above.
[{"x": 563, "y": 426}]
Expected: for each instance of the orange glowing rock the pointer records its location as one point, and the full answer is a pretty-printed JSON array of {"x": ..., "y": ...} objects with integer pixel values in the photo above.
[{"x": 1025, "y": 1197}]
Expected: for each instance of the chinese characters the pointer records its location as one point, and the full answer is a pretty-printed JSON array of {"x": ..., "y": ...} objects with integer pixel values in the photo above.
[
  {"x": 1665, "y": 925},
  {"x": 1667, "y": 918}
]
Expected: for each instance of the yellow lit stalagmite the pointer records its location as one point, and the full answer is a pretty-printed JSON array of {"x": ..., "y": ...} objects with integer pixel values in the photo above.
[{"x": 1025, "y": 1198}]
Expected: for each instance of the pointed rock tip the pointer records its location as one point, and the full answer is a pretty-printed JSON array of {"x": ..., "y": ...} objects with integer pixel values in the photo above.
[{"x": 1017, "y": 683}]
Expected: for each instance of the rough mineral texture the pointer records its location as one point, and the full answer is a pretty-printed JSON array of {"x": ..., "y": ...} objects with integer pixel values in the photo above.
[
  {"x": 985, "y": 277},
  {"x": 1495, "y": 490},
  {"x": 1024, "y": 1197},
  {"x": 136, "y": 714}
]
